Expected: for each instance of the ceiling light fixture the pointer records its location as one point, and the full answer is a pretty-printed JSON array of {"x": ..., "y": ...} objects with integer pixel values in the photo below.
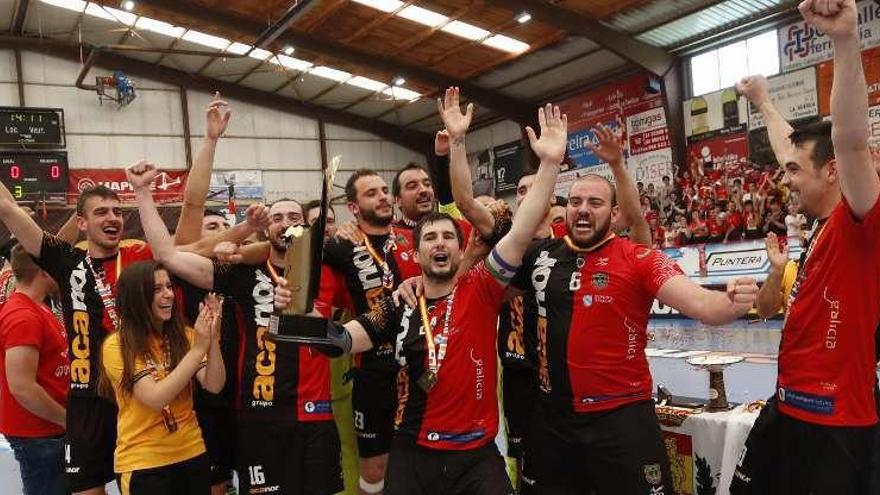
[
  {"x": 399, "y": 81},
  {"x": 524, "y": 18},
  {"x": 128, "y": 5},
  {"x": 288, "y": 50}
]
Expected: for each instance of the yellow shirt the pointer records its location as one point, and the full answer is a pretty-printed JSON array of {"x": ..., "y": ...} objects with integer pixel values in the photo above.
[{"x": 143, "y": 441}]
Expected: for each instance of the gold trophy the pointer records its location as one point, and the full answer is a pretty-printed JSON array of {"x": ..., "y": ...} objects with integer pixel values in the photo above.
[{"x": 299, "y": 322}]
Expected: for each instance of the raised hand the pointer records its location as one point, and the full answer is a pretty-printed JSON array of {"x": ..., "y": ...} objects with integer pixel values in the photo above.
[
  {"x": 257, "y": 216},
  {"x": 609, "y": 147},
  {"x": 742, "y": 292},
  {"x": 836, "y": 18},
  {"x": 754, "y": 88},
  {"x": 550, "y": 147},
  {"x": 203, "y": 329},
  {"x": 456, "y": 122},
  {"x": 441, "y": 143},
  {"x": 141, "y": 174},
  {"x": 214, "y": 302},
  {"x": 777, "y": 254},
  {"x": 217, "y": 117}
]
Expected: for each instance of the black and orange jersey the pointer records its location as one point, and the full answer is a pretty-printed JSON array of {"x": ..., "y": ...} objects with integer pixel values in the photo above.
[
  {"x": 280, "y": 380},
  {"x": 86, "y": 319},
  {"x": 361, "y": 269}
]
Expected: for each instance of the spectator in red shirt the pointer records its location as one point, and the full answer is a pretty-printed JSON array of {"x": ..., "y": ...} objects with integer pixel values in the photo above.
[
  {"x": 697, "y": 227},
  {"x": 34, "y": 378},
  {"x": 734, "y": 223},
  {"x": 721, "y": 191},
  {"x": 658, "y": 234},
  {"x": 715, "y": 224}
]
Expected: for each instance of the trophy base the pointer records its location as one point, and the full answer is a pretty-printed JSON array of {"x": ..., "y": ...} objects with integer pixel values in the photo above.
[{"x": 298, "y": 329}]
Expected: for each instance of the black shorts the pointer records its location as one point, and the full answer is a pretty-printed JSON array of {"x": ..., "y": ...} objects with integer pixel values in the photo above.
[
  {"x": 616, "y": 452},
  {"x": 415, "y": 470},
  {"x": 374, "y": 401},
  {"x": 784, "y": 455},
  {"x": 520, "y": 397},
  {"x": 288, "y": 457},
  {"x": 89, "y": 442},
  {"x": 192, "y": 477},
  {"x": 218, "y": 430}
]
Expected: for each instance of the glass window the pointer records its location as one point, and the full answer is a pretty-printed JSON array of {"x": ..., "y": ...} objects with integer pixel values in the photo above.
[{"x": 724, "y": 66}]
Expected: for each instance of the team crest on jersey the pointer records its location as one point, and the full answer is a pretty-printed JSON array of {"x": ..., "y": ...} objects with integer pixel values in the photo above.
[
  {"x": 401, "y": 239},
  {"x": 600, "y": 280},
  {"x": 652, "y": 473}
]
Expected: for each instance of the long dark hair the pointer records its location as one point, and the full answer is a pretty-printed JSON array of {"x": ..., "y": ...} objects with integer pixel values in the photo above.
[{"x": 134, "y": 299}]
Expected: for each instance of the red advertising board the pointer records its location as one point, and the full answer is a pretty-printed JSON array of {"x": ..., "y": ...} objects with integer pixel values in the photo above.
[
  {"x": 825, "y": 76},
  {"x": 167, "y": 188},
  {"x": 721, "y": 151}
]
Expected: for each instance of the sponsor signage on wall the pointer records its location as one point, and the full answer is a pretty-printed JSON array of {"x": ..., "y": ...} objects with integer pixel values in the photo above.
[
  {"x": 802, "y": 45},
  {"x": 167, "y": 188},
  {"x": 793, "y": 94}
]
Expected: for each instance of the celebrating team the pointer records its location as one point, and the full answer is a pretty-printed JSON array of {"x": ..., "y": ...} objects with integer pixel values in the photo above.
[{"x": 175, "y": 381}]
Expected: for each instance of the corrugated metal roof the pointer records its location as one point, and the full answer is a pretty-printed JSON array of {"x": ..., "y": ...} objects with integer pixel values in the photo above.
[
  {"x": 728, "y": 12},
  {"x": 645, "y": 17}
]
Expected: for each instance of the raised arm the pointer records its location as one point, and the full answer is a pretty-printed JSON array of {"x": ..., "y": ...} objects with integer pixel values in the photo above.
[
  {"x": 189, "y": 226},
  {"x": 712, "y": 307},
  {"x": 191, "y": 267},
  {"x": 550, "y": 149},
  {"x": 609, "y": 148},
  {"x": 849, "y": 102},
  {"x": 256, "y": 219},
  {"x": 457, "y": 124},
  {"x": 754, "y": 88}
]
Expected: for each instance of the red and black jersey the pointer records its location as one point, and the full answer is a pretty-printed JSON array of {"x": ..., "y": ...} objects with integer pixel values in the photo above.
[
  {"x": 280, "y": 380},
  {"x": 362, "y": 275},
  {"x": 592, "y": 318},
  {"x": 461, "y": 411},
  {"x": 827, "y": 355},
  {"x": 86, "y": 319},
  {"x": 516, "y": 324},
  {"x": 189, "y": 297}
]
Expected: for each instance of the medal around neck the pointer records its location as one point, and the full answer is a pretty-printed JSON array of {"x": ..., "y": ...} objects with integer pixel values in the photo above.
[{"x": 299, "y": 322}]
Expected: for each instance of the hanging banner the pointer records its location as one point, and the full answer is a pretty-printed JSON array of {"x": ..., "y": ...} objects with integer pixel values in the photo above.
[
  {"x": 793, "y": 94},
  {"x": 802, "y": 45},
  {"x": 647, "y": 131},
  {"x": 650, "y": 168},
  {"x": 167, "y": 188},
  {"x": 715, "y": 113},
  {"x": 825, "y": 76},
  {"x": 248, "y": 185}
]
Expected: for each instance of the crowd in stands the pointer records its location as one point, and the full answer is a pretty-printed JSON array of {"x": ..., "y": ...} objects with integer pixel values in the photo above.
[{"x": 707, "y": 204}]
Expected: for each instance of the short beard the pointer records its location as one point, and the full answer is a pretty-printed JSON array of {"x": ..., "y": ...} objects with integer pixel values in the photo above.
[
  {"x": 370, "y": 217},
  {"x": 278, "y": 246},
  {"x": 594, "y": 239},
  {"x": 440, "y": 277}
]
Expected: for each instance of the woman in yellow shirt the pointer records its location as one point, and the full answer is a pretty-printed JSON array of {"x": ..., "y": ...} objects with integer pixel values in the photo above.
[{"x": 149, "y": 364}]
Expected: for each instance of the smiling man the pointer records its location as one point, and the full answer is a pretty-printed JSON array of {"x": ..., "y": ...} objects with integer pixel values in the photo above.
[{"x": 87, "y": 279}]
